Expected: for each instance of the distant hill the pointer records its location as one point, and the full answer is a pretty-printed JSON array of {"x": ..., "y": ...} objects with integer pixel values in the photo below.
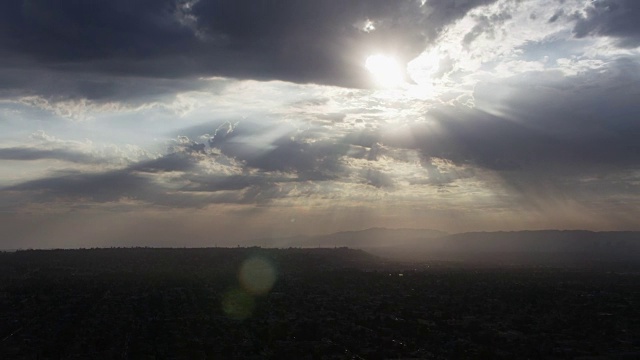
[
  {"x": 369, "y": 238},
  {"x": 524, "y": 245},
  {"x": 425, "y": 244}
]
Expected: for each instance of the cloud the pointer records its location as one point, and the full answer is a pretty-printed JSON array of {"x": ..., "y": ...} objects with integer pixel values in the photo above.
[
  {"x": 67, "y": 31},
  {"x": 189, "y": 175},
  {"x": 156, "y": 182},
  {"x": 311, "y": 41},
  {"x": 72, "y": 154},
  {"x": 377, "y": 178},
  {"x": 280, "y": 149},
  {"x": 537, "y": 120},
  {"x": 585, "y": 126},
  {"x": 104, "y": 187},
  {"x": 516, "y": 106},
  {"x": 615, "y": 18},
  {"x": 84, "y": 96},
  {"x": 25, "y": 153},
  {"x": 556, "y": 16},
  {"x": 486, "y": 24}
]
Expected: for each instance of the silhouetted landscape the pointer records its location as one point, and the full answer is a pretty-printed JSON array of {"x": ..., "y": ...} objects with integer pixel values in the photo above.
[
  {"x": 316, "y": 303},
  {"x": 518, "y": 247}
]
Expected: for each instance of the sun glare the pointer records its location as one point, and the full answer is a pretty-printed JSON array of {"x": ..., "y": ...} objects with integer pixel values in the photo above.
[{"x": 385, "y": 70}]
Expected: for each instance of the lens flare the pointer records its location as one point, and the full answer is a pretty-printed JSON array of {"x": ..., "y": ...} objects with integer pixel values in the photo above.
[{"x": 257, "y": 276}]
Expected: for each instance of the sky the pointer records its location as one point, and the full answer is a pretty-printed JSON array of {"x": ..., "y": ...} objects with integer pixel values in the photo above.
[{"x": 212, "y": 122}]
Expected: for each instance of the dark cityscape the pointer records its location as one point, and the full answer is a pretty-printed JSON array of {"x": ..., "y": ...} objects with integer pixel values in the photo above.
[{"x": 338, "y": 303}]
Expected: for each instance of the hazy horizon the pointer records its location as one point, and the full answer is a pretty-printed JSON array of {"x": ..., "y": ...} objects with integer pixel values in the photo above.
[
  {"x": 193, "y": 122},
  {"x": 373, "y": 238}
]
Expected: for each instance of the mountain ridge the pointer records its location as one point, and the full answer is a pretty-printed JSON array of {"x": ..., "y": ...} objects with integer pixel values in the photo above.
[
  {"x": 349, "y": 238},
  {"x": 428, "y": 243}
]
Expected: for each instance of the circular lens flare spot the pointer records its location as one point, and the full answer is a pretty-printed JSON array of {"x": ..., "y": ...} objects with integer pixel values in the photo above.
[
  {"x": 385, "y": 70},
  {"x": 257, "y": 276}
]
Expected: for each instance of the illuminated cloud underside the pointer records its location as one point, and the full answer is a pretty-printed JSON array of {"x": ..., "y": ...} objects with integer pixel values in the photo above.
[{"x": 215, "y": 125}]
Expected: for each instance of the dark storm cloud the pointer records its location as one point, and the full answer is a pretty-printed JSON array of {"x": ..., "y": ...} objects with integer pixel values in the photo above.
[
  {"x": 497, "y": 143},
  {"x": 133, "y": 182},
  {"x": 301, "y": 41},
  {"x": 324, "y": 41},
  {"x": 64, "y": 85},
  {"x": 103, "y": 187},
  {"x": 472, "y": 138},
  {"x": 82, "y": 30},
  {"x": 271, "y": 167},
  {"x": 556, "y": 138},
  {"x": 579, "y": 122},
  {"x": 188, "y": 185},
  {"x": 167, "y": 163},
  {"x": 137, "y": 182},
  {"x": 616, "y": 18},
  {"x": 25, "y": 153}
]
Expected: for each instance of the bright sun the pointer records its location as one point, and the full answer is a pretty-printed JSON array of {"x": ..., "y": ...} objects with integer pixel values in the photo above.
[{"x": 385, "y": 70}]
